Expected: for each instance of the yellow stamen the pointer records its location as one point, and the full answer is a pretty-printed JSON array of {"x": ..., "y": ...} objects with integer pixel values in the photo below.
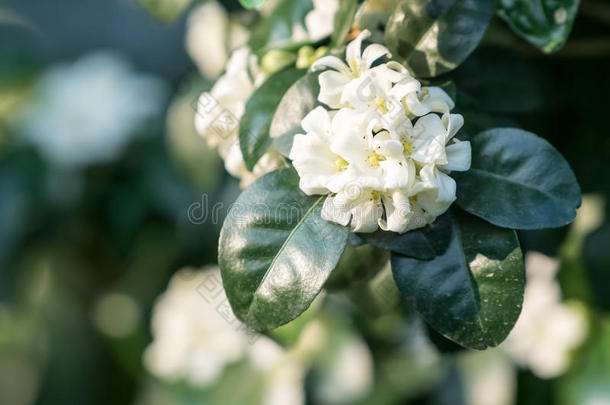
[
  {"x": 407, "y": 147},
  {"x": 341, "y": 164},
  {"x": 423, "y": 94},
  {"x": 376, "y": 195},
  {"x": 381, "y": 104},
  {"x": 354, "y": 67},
  {"x": 375, "y": 159}
]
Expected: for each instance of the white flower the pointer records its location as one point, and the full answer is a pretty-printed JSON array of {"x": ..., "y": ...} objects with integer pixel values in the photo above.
[
  {"x": 548, "y": 329},
  {"x": 196, "y": 336},
  {"x": 220, "y": 111},
  {"x": 320, "y": 22},
  {"x": 211, "y": 36},
  {"x": 333, "y": 82},
  {"x": 87, "y": 112},
  {"x": 379, "y": 168}
]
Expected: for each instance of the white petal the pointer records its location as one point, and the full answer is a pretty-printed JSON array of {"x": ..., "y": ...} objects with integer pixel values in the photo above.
[
  {"x": 374, "y": 52},
  {"x": 332, "y": 85},
  {"x": 317, "y": 121},
  {"x": 439, "y": 193},
  {"x": 453, "y": 123},
  {"x": 335, "y": 212},
  {"x": 437, "y": 98},
  {"x": 459, "y": 156},
  {"x": 354, "y": 48},
  {"x": 366, "y": 215},
  {"x": 314, "y": 163},
  {"x": 330, "y": 62}
]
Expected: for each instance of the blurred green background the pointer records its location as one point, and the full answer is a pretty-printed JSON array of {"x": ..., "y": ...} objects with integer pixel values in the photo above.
[{"x": 105, "y": 187}]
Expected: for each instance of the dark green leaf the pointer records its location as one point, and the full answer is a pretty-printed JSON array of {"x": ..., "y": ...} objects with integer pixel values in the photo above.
[
  {"x": 277, "y": 29},
  {"x": 473, "y": 292},
  {"x": 298, "y": 101},
  {"x": 254, "y": 127},
  {"x": 357, "y": 265},
  {"x": 432, "y": 37},
  {"x": 276, "y": 251},
  {"x": 343, "y": 21},
  {"x": 250, "y": 4},
  {"x": 167, "y": 11},
  {"x": 425, "y": 243},
  {"x": 544, "y": 23},
  {"x": 518, "y": 181}
]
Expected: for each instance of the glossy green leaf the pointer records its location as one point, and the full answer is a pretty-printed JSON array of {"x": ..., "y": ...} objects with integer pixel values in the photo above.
[
  {"x": 298, "y": 101},
  {"x": 432, "y": 37},
  {"x": 343, "y": 21},
  {"x": 544, "y": 23},
  {"x": 254, "y": 126},
  {"x": 277, "y": 29},
  {"x": 276, "y": 251},
  {"x": 252, "y": 4},
  {"x": 425, "y": 243},
  {"x": 518, "y": 181},
  {"x": 167, "y": 11},
  {"x": 473, "y": 292}
]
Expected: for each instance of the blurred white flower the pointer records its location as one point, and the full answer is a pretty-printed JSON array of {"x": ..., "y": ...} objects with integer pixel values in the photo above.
[
  {"x": 220, "y": 110},
  {"x": 211, "y": 36},
  {"x": 196, "y": 336},
  {"x": 85, "y": 113},
  {"x": 320, "y": 22},
  {"x": 548, "y": 329},
  {"x": 380, "y": 168}
]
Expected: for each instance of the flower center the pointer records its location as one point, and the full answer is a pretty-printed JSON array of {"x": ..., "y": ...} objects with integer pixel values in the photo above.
[
  {"x": 382, "y": 106},
  {"x": 407, "y": 147},
  {"x": 375, "y": 159},
  {"x": 375, "y": 195},
  {"x": 423, "y": 95},
  {"x": 341, "y": 164},
  {"x": 354, "y": 66}
]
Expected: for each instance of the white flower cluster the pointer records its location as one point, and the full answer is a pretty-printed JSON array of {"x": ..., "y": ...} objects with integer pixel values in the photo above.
[
  {"x": 220, "y": 110},
  {"x": 196, "y": 337},
  {"x": 384, "y": 150}
]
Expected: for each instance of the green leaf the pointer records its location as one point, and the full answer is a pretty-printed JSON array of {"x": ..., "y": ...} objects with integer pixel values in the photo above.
[
  {"x": 518, "y": 181},
  {"x": 167, "y": 11},
  {"x": 432, "y": 37},
  {"x": 276, "y": 29},
  {"x": 544, "y": 23},
  {"x": 424, "y": 244},
  {"x": 253, "y": 4},
  {"x": 276, "y": 251},
  {"x": 298, "y": 101},
  {"x": 343, "y": 21},
  {"x": 357, "y": 265},
  {"x": 254, "y": 127},
  {"x": 473, "y": 292}
]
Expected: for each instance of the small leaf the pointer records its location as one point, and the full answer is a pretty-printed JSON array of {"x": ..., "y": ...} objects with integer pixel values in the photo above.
[
  {"x": 544, "y": 23},
  {"x": 298, "y": 101},
  {"x": 473, "y": 292},
  {"x": 276, "y": 252},
  {"x": 254, "y": 127},
  {"x": 518, "y": 181},
  {"x": 167, "y": 11},
  {"x": 343, "y": 21},
  {"x": 432, "y": 37},
  {"x": 424, "y": 244},
  {"x": 253, "y": 4}
]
